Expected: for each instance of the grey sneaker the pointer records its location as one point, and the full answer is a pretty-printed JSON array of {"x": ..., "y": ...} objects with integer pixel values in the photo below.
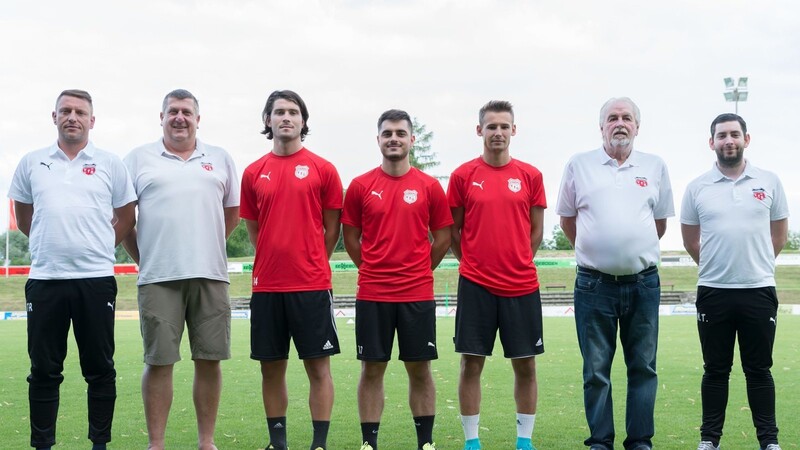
[
  {"x": 772, "y": 447},
  {"x": 707, "y": 445}
]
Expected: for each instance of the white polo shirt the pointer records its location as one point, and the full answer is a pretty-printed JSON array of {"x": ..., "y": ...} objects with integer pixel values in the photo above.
[
  {"x": 73, "y": 205},
  {"x": 734, "y": 217},
  {"x": 615, "y": 209},
  {"x": 181, "y": 223}
]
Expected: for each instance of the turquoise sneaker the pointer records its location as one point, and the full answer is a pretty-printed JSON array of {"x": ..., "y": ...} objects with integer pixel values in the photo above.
[
  {"x": 524, "y": 444},
  {"x": 472, "y": 444}
]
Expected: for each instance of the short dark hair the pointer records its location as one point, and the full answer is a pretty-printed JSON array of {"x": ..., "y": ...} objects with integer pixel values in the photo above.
[
  {"x": 180, "y": 94},
  {"x": 77, "y": 93},
  {"x": 496, "y": 106},
  {"x": 292, "y": 97},
  {"x": 728, "y": 117},
  {"x": 394, "y": 115}
]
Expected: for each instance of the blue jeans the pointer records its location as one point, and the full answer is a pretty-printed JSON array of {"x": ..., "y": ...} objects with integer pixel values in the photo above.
[{"x": 602, "y": 306}]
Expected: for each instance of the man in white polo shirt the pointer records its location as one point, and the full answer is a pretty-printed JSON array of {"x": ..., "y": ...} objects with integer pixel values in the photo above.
[
  {"x": 734, "y": 221},
  {"x": 76, "y": 203},
  {"x": 614, "y": 203},
  {"x": 188, "y": 206}
]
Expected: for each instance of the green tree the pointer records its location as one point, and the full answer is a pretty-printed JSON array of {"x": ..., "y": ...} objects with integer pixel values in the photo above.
[
  {"x": 121, "y": 256},
  {"x": 793, "y": 243},
  {"x": 239, "y": 242},
  {"x": 557, "y": 240},
  {"x": 421, "y": 156},
  {"x": 560, "y": 239},
  {"x": 18, "y": 253}
]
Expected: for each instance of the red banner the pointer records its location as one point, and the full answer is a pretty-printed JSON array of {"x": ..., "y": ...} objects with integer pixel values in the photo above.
[{"x": 12, "y": 218}]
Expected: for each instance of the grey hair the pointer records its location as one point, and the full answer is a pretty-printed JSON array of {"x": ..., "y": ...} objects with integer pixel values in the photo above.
[
  {"x": 637, "y": 115},
  {"x": 180, "y": 94}
]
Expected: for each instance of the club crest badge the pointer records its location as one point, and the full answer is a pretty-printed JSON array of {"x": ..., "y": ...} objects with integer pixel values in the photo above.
[
  {"x": 301, "y": 171},
  {"x": 514, "y": 185},
  {"x": 207, "y": 165},
  {"x": 760, "y": 194},
  {"x": 409, "y": 196},
  {"x": 89, "y": 169},
  {"x": 641, "y": 181}
]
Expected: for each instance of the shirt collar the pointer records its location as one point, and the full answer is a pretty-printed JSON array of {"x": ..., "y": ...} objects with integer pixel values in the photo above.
[
  {"x": 87, "y": 151},
  {"x": 749, "y": 172},
  {"x": 604, "y": 159},
  {"x": 199, "y": 150}
]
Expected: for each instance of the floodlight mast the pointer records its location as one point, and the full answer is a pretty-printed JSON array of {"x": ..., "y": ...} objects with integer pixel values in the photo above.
[{"x": 735, "y": 93}]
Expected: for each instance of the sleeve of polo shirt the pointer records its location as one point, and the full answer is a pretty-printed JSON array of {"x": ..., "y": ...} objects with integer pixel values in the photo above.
[
  {"x": 565, "y": 205},
  {"x": 20, "y": 190},
  {"x": 232, "y": 195},
  {"x": 689, "y": 214},
  {"x": 122, "y": 191},
  {"x": 665, "y": 206},
  {"x": 780, "y": 207},
  {"x": 131, "y": 163}
]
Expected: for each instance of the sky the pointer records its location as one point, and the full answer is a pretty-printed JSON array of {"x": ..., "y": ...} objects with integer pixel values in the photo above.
[{"x": 440, "y": 60}]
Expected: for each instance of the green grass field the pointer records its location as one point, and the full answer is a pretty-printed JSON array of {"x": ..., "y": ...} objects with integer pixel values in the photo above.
[{"x": 560, "y": 422}]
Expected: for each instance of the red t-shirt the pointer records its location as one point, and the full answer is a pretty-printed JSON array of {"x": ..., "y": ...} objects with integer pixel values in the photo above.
[
  {"x": 286, "y": 195},
  {"x": 496, "y": 234},
  {"x": 395, "y": 214}
]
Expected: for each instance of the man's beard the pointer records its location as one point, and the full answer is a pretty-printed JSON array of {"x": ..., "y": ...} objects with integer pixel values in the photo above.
[
  {"x": 620, "y": 142},
  {"x": 730, "y": 161}
]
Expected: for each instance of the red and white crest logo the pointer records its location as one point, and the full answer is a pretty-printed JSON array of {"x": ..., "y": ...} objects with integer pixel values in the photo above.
[
  {"x": 301, "y": 171},
  {"x": 641, "y": 181},
  {"x": 89, "y": 169},
  {"x": 760, "y": 194},
  {"x": 514, "y": 185},
  {"x": 409, "y": 196},
  {"x": 207, "y": 165}
]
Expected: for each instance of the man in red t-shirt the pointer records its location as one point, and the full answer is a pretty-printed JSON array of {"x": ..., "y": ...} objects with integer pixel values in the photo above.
[
  {"x": 388, "y": 213},
  {"x": 498, "y": 207},
  {"x": 291, "y": 202}
]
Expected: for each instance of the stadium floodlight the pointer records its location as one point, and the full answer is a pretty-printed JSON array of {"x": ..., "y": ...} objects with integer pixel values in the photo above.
[
  {"x": 729, "y": 83},
  {"x": 737, "y": 93}
]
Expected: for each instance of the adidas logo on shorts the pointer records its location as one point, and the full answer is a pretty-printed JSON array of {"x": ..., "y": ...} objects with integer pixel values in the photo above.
[
  {"x": 539, "y": 343},
  {"x": 327, "y": 345}
]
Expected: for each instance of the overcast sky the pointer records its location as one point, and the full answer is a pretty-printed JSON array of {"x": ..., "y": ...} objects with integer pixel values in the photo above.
[{"x": 557, "y": 62}]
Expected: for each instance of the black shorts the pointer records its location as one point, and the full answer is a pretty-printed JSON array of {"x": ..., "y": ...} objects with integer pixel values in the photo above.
[
  {"x": 480, "y": 314},
  {"x": 415, "y": 323},
  {"x": 304, "y": 317}
]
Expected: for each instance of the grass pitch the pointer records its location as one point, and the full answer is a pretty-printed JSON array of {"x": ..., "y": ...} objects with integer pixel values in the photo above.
[{"x": 560, "y": 421}]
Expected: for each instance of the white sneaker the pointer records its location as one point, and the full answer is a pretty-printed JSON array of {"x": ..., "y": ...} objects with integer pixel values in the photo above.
[
  {"x": 773, "y": 447},
  {"x": 707, "y": 445}
]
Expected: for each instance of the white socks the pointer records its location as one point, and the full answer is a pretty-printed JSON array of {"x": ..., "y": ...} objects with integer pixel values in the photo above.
[
  {"x": 470, "y": 424},
  {"x": 524, "y": 425}
]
